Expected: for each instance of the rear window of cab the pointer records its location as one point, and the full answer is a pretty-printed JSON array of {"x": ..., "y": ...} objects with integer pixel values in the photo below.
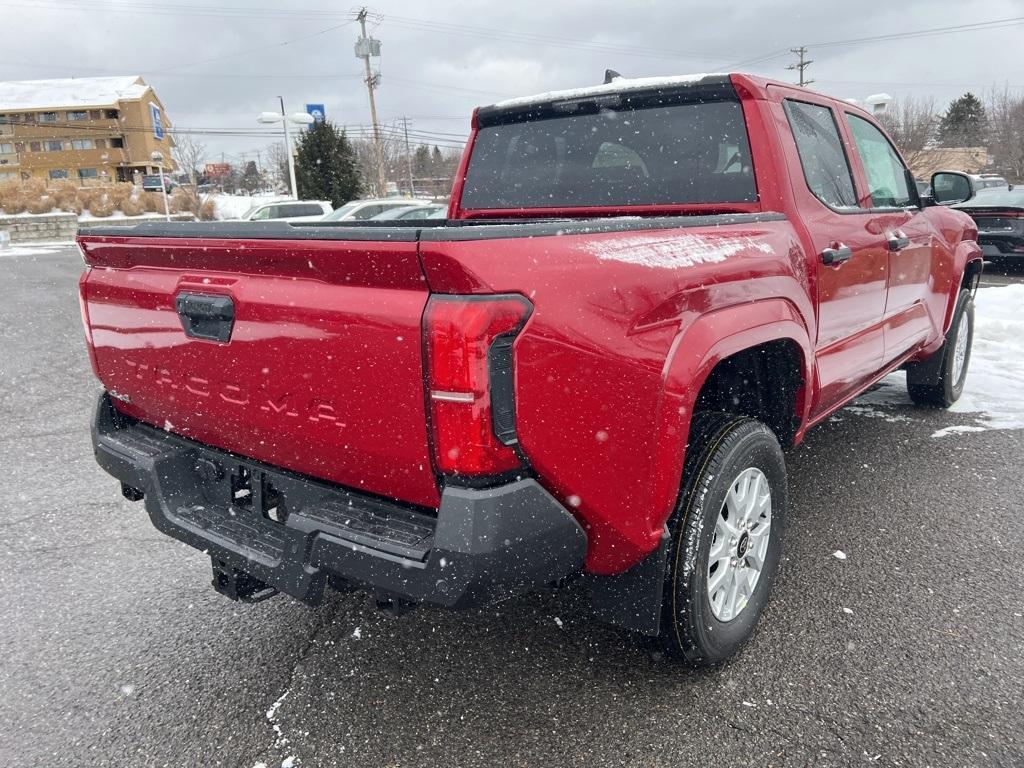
[{"x": 652, "y": 153}]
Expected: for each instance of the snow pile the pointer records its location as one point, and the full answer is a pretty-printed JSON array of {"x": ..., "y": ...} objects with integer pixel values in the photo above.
[
  {"x": 674, "y": 251},
  {"x": 995, "y": 379}
]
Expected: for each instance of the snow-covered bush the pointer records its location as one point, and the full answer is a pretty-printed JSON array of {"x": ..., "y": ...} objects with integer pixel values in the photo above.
[
  {"x": 43, "y": 204},
  {"x": 208, "y": 210},
  {"x": 120, "y": 192},
  {"x": 13, "y": 203},
  {"x": 132, "y": 206},
  {"x": 153, "y": 201},
  {"x": 182, "y": 201},
  {"x": 65, "y": 197},
  {"x": 101, "y": 206}
]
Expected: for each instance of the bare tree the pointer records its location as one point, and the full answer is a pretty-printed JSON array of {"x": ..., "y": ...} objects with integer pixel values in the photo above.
[
  {"x": 912, "y": 123},
  {"x": 277, "y": 165},
  {"x": 392, "y": 156},
  {"x": 1006, "y": 133},
  {"x": 190, "y": 155}
]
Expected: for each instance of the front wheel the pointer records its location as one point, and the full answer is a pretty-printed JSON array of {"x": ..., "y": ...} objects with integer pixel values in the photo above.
[
  {"x": 727, "y": 537},
  {"x": 938, "y": 381}
]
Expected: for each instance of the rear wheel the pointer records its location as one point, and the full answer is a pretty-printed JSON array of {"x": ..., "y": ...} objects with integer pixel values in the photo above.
[
  {"x": 727, "y": 536},
  {"x": 938, "y": 381}
]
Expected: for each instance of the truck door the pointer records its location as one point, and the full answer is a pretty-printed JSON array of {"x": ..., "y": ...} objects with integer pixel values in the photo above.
[
  {"x": 850, "y": 254},
  {"x": 909, "y": 236}
]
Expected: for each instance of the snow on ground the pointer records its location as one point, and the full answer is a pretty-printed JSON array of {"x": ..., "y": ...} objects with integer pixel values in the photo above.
[
  {"x": 235, "y": 206},
  {"x": 32, "y": 249},
  {"x": 994, "y": 391}
]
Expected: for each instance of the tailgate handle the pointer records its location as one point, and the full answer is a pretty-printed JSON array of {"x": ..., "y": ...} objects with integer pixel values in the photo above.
[{"x": 206, "y": 317}]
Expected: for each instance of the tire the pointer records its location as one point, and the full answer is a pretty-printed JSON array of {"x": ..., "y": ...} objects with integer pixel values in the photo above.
[
  {"x": 938, "y": 381},
  {"x": 724, "y": 449}
]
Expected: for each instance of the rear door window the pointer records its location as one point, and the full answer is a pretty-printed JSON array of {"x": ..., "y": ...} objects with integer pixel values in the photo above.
[
  {"x": 646, "y": 153},
  {"x": 822, "y": 155}
]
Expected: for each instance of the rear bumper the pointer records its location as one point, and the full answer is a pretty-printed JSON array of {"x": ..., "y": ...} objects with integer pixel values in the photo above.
[
  {"x": 479, "y": 546},
  {"x": 1002, "y": 248}
]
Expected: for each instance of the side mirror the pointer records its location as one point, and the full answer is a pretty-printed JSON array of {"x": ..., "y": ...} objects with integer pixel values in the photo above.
[{"x": 951, "y": 187}]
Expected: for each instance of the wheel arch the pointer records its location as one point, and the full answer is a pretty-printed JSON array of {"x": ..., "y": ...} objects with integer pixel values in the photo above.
[
  {"x": 969, "y": 265},
  {"x": 728, "y": 338}
]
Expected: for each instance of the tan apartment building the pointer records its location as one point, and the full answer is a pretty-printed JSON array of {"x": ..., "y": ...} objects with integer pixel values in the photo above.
[{"x": 89, "y": 130}]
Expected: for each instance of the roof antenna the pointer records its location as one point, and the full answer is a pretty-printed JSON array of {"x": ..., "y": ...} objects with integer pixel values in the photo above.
[{"x": 611, "y": 74}]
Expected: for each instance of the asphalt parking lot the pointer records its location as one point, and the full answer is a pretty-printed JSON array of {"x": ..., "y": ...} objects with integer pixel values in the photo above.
[{"x": 116, "y": 652}]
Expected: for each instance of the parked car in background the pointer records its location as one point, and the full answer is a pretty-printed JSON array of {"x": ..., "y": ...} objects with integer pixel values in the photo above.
[
  {"x": 987, "y": 181},
  {"x": 410, "y": 213},
  {"x": 999, "y": 214},
  {"x": 290, "y": 210},
  {"x": 363, "y": 210}
]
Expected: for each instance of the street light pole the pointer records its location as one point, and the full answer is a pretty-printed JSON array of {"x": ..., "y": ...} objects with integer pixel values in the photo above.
[
  {"x": 288, "y": 150},
  {"x": 299, "y": 118}
]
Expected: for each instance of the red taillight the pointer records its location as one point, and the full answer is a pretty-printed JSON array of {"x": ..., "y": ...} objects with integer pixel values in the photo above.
[{"x": 470, "y": 381}]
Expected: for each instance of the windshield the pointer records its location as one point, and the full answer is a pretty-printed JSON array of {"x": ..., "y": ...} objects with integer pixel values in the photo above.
[
  {"x": 658, "y": 155},
  {"x": 342, "y": 212}
]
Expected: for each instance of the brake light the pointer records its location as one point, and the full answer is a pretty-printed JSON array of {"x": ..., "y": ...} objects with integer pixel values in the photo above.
[{"x": 471, "y": 381}]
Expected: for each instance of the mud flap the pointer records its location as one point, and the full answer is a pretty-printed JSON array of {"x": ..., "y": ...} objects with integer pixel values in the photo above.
[{"x": 632, "y": 600}]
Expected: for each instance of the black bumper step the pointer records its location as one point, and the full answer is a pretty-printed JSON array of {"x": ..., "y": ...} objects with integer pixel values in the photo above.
[{"x": 269, "y": 529}]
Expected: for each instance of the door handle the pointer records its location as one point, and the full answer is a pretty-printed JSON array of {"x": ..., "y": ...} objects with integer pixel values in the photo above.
[
  {"x": 836, "y": 255},
  {"x": 206, "y": 317},
  {"x": 898, "y": 241}
]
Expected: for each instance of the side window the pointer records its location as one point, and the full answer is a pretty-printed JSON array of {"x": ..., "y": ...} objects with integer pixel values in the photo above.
[
  {"x": 262, "y": 214},
  {"x": 822, "y": 154},
  {"x": 368, "y": 212},
  {"x": 887, "y": 176}
]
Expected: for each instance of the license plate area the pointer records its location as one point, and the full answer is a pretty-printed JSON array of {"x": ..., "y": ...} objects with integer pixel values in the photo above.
[{"x": 253, "y": 489}]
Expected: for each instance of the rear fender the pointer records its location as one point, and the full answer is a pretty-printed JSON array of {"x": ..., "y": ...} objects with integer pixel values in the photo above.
[{"x": 696, "y": 351}]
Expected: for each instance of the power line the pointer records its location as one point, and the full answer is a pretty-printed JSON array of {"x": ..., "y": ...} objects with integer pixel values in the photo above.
[
  {"x": 979, "y": 26},
  {"x": 261, "y": 49},
  {"x": 411, "y": 23}
]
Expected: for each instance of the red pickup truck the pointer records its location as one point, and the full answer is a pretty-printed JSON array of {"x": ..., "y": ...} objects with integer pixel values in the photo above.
[{"x": 643, "y": 292}]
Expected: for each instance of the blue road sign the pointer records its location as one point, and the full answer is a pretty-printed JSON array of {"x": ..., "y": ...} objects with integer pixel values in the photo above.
[{"x": 317, "y": 111}]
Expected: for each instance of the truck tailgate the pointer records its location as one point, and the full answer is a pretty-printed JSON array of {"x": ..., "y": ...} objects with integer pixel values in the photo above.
[{"x": 318, "y": 368}]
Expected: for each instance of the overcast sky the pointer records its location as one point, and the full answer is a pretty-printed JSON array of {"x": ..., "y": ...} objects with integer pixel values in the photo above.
[{"x": 217, "y": 65}]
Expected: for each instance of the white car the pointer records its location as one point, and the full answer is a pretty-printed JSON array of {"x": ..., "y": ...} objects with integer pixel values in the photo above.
[
  {"x": 361, "y": 210},
  {"x": 290, "y": 210}
]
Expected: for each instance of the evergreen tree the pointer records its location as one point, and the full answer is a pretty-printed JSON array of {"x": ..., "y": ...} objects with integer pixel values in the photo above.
[
  {"x": 421, "y": 162},
  {"x": 436, "y": 161},
  {"x": 251, "y": 179},
  {"x": 963, "y": 125},
  {"x": 325, "y": 165}
]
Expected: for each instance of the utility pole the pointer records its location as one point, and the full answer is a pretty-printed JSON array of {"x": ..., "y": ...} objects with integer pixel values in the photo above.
[
  {"x": 801, "y": 65},
  {"x": 366, "y": 47},
  {"x": 408, "y": 157}
]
